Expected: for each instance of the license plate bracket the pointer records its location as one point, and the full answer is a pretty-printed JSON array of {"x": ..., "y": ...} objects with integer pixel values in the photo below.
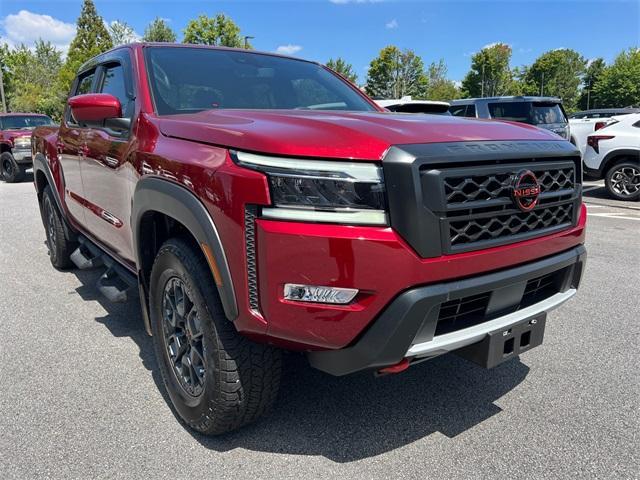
[{"x": 506, "y": 343}]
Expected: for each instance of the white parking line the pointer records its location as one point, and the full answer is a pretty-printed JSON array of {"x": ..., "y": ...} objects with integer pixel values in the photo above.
[{"x": 614, "y": 215}]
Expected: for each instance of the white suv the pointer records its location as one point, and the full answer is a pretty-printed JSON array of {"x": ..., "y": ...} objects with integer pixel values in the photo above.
[
  {"x": 613, "y": 153},
  {"x": 588, "y": 121}
]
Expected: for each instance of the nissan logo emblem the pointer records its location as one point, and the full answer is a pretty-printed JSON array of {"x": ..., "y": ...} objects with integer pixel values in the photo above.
[{"x": 525, "y": 190}]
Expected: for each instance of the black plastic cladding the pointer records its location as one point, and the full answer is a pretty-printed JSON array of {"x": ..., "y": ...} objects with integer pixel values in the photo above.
[{"x": 421, "y": 219}]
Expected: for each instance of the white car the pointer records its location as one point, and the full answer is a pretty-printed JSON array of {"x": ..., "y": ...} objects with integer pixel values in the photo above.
[
  {"x": 407, "y": 105},
  {"x": 613, "y": 153},
  {"x": 588, "y": 121}
]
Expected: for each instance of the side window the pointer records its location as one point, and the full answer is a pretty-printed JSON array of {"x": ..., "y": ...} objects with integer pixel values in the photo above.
[
  {"x": 113, "y": 83},
  {"x": 457, "y": 110},
  {"x": 471, "y": 111},
  {"x": 84, "y": 85}
]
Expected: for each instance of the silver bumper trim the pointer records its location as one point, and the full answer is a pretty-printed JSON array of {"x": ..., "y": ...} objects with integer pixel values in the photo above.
[{"x": 454, "y": 340}]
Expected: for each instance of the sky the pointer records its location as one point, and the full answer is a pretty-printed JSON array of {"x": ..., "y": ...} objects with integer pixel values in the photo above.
[{"x": 357, "y": 29}]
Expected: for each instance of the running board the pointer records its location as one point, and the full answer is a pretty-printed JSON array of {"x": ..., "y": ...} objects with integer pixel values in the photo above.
[
  {"x": 116, "y": 283},
  {"x": 86, "y": 256}
]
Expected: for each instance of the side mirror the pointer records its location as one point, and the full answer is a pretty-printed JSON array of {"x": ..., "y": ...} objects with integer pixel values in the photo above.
[{"x": 94, "y": 108}]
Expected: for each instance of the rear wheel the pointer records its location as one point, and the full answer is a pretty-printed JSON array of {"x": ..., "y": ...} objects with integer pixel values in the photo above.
[
  {"x": 60, "y": 248},
  {"x": 217, "y": 379},
  {"x": 623, "y": 181},
  {"x": 10, "y": 171}
]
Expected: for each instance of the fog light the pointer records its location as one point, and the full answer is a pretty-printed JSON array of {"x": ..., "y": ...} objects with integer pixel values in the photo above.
[{"x": 313, "y": 293}]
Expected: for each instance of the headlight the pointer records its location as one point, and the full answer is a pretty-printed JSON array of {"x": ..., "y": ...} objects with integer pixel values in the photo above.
[
  {"x": 22, "y": 142},
  {"x": 320, "y": 190}
]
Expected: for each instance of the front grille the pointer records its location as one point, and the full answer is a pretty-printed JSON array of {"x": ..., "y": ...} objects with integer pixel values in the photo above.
[
  {"x": 468, "y": 311},
  {"x": 472, "y": 188},
  {"x": 462, "y": 313},
  {"x": 478, "y": 229},
  {"x": 476, "y": 209}
]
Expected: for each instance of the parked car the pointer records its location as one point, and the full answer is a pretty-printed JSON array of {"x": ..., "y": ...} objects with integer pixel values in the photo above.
[
  {"x": 543, "y": 112},
  {"x": 407, "y": 105},
  {"x": 256, "y": 203},
  {"x": 613, "y": 153},
  {"x": 15, "y": 143},
  {"x": 585, "y": 122}
]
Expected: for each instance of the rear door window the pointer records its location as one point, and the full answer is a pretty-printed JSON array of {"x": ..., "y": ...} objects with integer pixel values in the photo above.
[
  {"x": 458, "y": 110},
  {"x": 534, "y": 113}
]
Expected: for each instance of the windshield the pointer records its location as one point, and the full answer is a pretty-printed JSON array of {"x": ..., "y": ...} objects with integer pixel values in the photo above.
[
  {"x": 24, "y": 122},
  {"x": 186, "y": 80},
  {"x": 534, "y": 113}
]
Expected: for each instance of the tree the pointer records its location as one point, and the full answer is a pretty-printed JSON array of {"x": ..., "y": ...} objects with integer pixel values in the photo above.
[
  {"x": 556, "y": 73},
  {"x": 395, "y": 74},
  {"x": 619, "y": 83},
  {"x": 122, "y": 33},
  {"x": 343, "y": 68},
  {"x": 439, "y": 86},
  {"x": 490, "y": 75},
  {"x": 159, "y": 31},
  {"x": 31, "y": 75},
  {"x": 592, "y": 75},
  {"x": 219, "y": 30},
  {"x": 92, "y": 38}
]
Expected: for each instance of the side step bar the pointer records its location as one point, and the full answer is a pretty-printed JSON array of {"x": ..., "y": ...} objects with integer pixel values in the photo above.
[{"x": 116, "y": 282}]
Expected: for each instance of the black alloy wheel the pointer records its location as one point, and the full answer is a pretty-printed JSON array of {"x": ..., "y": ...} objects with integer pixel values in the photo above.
[{"x": 183, "y": 337}]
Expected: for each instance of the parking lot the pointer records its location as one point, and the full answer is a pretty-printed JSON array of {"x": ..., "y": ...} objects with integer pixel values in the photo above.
[{"x": 80, "y": 396}]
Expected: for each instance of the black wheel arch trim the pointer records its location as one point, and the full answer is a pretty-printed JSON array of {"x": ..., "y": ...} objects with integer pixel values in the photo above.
[{"x": 153, "y": 194}]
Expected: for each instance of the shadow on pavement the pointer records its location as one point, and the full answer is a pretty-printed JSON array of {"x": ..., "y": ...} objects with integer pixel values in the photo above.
[{"x": 349, "y": 418}]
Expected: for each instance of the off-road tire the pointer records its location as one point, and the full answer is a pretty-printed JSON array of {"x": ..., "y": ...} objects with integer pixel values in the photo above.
[
  {"x": 241, "y": 378},
  {"x": 10, "y": 171},
  {"x": 60, "y": 248},
  {"x": 612, "y": 180}
]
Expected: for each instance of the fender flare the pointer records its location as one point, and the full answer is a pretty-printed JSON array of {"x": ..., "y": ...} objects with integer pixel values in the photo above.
[
  {"x": 153, "y": 194},
  {"x": 40, "y": 164},
  {"x": 604, "y": 165}
]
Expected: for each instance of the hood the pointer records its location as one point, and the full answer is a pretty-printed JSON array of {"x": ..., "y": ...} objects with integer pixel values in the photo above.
[
  {"x": 353, "y": 135},
  {"x": 10, "y": 135}
]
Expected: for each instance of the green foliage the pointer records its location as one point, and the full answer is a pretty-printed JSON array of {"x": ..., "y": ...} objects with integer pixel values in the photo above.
[
  {"x": 395, "y": 74},
  {"x": 439, "y": 86},
  {"x": 92, "y": 38},
  {"x": 556, "y": 73},
  {"x": 619, "y": 84},
  {"x": 219, "y": 30},
  {"x": 343, "y": 68},
  {"x": 159, "y": 31},
  {"x": 490, "y": 74},
  {"x": 121, "y": 33},
  {"x": 30, "y": 78}
]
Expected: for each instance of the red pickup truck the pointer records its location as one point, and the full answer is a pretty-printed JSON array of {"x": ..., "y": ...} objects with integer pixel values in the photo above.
[
  {"x": 15, "y": 143},
  {"x": 257, "y": 203}
]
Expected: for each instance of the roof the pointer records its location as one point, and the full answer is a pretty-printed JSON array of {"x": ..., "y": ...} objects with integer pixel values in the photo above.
[
  {"x": 608, "y": 110},
  {"x": 522, "y": 98},
  {"x": 136, "y": 45},
  {"x": 389, "y": 102}
]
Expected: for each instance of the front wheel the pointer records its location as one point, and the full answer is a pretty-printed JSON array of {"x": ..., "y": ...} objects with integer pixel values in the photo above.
[
  {"x": 623, "y": 181},
  {"x": 217, "y": 379},
  {"x": 10, "y": 171},
  {"x": 60, "y": 248}
]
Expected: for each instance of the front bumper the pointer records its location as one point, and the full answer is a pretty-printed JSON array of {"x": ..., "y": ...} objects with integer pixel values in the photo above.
[
  {"x": 408, "y": 327},
  {"x": 22, "y": 156}
]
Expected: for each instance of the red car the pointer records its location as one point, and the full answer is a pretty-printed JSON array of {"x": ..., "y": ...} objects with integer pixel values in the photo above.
[
  {"x": 257, "y": 203},
  {"x": 15, "y": 143}
]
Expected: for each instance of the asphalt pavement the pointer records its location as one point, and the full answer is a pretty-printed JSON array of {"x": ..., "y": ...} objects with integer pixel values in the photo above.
[{"x": 79, "y": 389}]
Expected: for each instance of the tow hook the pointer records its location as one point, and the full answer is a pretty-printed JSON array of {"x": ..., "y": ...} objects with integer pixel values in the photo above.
[{"x": 399, "y": 367}]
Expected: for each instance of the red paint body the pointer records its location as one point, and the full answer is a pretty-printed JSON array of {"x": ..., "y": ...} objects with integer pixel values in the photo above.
[
  {"x": 96, "y": 173},
  {"x": 93, "y": 107}
]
